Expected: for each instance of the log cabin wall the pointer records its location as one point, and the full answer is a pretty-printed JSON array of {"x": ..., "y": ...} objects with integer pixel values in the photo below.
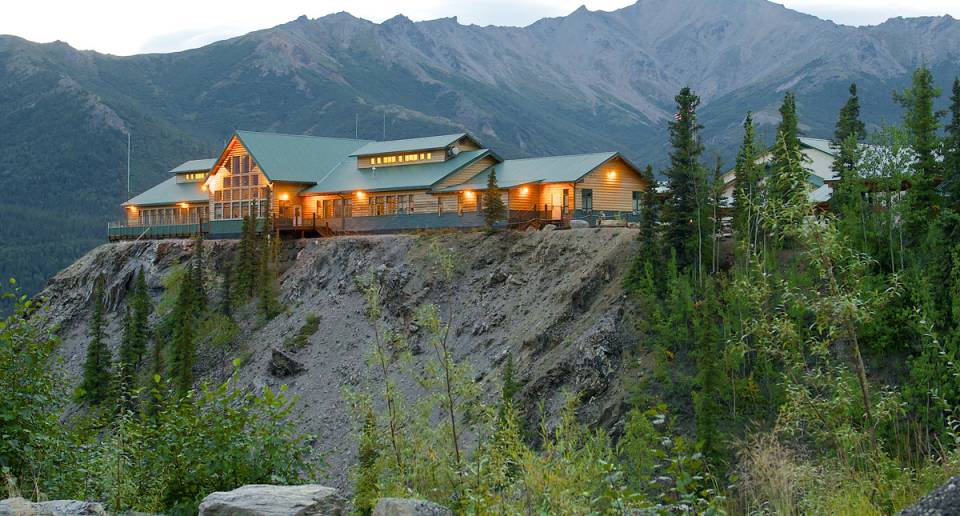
[{"x": 613, "y": 184}]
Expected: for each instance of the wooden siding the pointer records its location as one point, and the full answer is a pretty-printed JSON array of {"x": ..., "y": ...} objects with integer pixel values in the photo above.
[
  {"x": 464, "y": 174},
  {"x": 613, "y": 184},
  {"x": 524, "y": 198},
  {"x": 435, "y": 156},
  {"x": 215, "y": 182},
  {"x": 552, "y": 194}
]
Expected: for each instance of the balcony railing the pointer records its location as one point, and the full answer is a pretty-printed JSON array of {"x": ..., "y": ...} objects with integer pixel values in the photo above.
[{"x": 182, "y": 228}]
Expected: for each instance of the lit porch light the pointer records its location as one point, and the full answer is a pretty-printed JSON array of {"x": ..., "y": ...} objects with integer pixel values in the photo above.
[
  {"x": 284, "y": 197},
  {"x": 612, "y": 174},
  {"x": 184, "y": 205},
  {"x": 361, "y": 195},
  {"x": 525, "y": 190},
  {"x": 468, "y": 194}
]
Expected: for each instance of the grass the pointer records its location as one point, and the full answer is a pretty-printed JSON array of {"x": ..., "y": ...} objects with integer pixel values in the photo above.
[{"x": 299, "y": 341}]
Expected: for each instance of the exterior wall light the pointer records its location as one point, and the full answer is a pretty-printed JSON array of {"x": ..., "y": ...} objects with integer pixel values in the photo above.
[
  {"x": 184, "y": 205},
  {"x": 525, "y": 190},
  {"x": 284, "y": 197},
  {"x": 361, "y": 195}
]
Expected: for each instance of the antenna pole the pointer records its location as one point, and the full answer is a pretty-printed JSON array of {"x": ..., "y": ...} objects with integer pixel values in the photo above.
[
  {"x": 128, "y": 163},
  {"x": 384, "y": 126},
  {"x": 356, "y": 126}
]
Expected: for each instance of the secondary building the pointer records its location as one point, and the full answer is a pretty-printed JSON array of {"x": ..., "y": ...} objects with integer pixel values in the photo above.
[{"x": 318, "y": 185}]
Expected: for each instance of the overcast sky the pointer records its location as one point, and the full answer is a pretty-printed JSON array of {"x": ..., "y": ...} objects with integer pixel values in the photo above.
[{"x": 127, "y": 27}]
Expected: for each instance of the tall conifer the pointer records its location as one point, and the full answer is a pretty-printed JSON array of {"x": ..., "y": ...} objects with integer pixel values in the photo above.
[
  {"x": 748, "y": 175},
  {"x": 183, "y": 347},
  {"x": 922, "y": 122},
  {"x": 951, "y": 148},
  {"x": 493, "y": 209},
  {"x": 789, "y": 124},
  {"x": 95, "y": 387},
  {"x": 686, "y": 180}
]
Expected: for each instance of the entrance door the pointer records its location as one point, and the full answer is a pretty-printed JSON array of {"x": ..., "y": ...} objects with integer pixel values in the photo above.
[{"x": 298, "y": 215}]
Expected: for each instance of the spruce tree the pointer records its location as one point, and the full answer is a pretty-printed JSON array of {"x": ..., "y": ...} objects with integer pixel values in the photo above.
[
  {"x": 848, "y": 122},
  {"x": 686, "y": 181},
  {"x": 141, "y": 318},
  {"x": 198, "y": 275},
  {"x": 648, "y": 213},
  {"x": 789, "y": 124},
  {"x": 183, "y": 348},
  {"x": 746, "y": 194},
  {"x": 922, "y": 122},
  {"x": 493, "y": 209},
  {"x": 367, "y": 491},
  {"x": 787, "y": 162},
  {"x": 266, "y": 268},
  {"x": 127, "y": 360},
  {"x": 951, "y": 148},
  {"x": 95, "y": 387},
  {"x": 226, "y": 301},
  {"x": 849, "y": 127}
]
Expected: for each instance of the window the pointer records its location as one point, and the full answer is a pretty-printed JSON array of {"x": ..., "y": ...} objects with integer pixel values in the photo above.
[
  {"x": 401, "y": 158},
  {"x": 566, "y": 201},
  {"x": 587, "y": 200},
  {"x": 636, "y": 203}
]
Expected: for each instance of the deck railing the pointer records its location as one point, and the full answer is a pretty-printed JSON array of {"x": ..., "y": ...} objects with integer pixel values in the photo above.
[{"x": 186, "y": 227}]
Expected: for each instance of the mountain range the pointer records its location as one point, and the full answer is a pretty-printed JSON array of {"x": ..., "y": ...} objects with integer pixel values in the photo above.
[{"x": 589, "y": 81}]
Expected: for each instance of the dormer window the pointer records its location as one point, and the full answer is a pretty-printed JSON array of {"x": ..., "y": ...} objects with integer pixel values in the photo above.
[
  {"x": 191, "y": 177},
  {"x": 400, "y": 159}
]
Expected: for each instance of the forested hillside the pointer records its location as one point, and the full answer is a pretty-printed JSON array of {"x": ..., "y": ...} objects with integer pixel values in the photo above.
[{"x": 585, "y": 82}]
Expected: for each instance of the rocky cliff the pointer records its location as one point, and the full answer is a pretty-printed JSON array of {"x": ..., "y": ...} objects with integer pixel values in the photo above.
[{"x": 552, "y": 299}]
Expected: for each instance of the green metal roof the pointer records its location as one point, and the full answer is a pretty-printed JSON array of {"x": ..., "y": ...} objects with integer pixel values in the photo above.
[
  {"x": 411, "y": 144},
  {"x": 824, "y": 146},
  {"x": 297, "y": 158},
  {"x": 552, "y": 169},
  {"x": 195, "y": 165},
  {"x": 346, "y": 177},
  {"x": 170, "y": 192}
]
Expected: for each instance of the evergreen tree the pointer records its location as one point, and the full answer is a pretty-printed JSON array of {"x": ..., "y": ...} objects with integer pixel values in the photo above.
[
  {"x": 649, "y": 216},
  {"x": 141, "y": 318},
  {"x": 493, "y": 208},
  {"x": 686, "y": 181},
  {"x": 707, "y": 405},
  {"x": 368, "y": 470},
  {"x": 789, "y": 190},
  {"x": 183, "y": 347},
  {"x": 95, "y": 387},
  {"x": 789, "y": 124},
  {"x": 198, "y": 275},
  {"x": 849, "y": 127},
  {"x": 267, "y": 270},
  {"x": 951, "y": 148},
  {"x": 922, "y": 122},
  {"x": 787, "y": 163},
  {"x": 245, "y": 269},
  {"x": 848, "y": 122},
  {"x": 226, "y": 301},
  {"x": 127, "y": 359},
  {"x": 746, "y": 195}
]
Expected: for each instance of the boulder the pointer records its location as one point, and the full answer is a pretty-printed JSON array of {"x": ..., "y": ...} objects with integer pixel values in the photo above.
[
  {"x": 23, "y": 507},
  {"x": 409, "y": 507},
  {"x": 579, "y": 224},
  {"x": 282, "y": 364},
  {"x": 270, "y": 500},
  {"x": 548, "y": 227},
  {"x": 941, "y": 501}
]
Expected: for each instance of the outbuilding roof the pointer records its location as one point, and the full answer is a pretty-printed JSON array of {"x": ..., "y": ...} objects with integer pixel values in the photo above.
[
  {"x": 297, "y": 158},
  {"x": 552, "y": 169},
  {"x": 195, "y": 165},
  {"x": 410, "y": 144},
  {"x": 346, "y": 177},
  {"x": 170, "y": 192}
]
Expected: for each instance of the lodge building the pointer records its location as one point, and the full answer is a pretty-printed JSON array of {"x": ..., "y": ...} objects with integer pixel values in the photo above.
[{"x": 319, "y": 185}]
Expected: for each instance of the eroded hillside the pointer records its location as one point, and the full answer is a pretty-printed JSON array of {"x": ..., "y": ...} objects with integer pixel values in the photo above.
[{"x": 552, "y": 299}]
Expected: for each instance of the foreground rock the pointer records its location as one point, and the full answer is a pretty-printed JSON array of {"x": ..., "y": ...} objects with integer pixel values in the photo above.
[
  {"x": 408, "y": 507},
  {"x": 282, "y": 364},
  {"x": 269, "y": 500},
  {"x": 23, "y": 507},
  {"x": 942, "y": 501}
]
